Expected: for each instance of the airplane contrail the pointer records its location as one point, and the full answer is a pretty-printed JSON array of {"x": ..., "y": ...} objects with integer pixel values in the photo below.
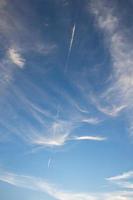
[
  {"x": 70, "y": 46},
  {"x": 49, "y": 162},
  {"x": 72, "y": 37}
]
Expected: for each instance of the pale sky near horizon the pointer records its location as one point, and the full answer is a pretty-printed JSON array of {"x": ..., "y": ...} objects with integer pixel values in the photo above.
[{"x": 66, "y": 100}]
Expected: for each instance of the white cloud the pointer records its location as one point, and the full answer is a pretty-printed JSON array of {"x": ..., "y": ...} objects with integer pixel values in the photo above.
[
  {"x": 124, "y": 180},
  {"x": 96, "y": 138},
  {"x": 16, "y": 57},
  {"x": 57, "y": 133},
  {"x": 40, "y": 185},
  {"x": 91, "y": 120},
  {"x": 122, "y": 176}
]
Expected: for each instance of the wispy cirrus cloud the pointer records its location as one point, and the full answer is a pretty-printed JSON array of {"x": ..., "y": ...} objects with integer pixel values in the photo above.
[
  {"x": 110, "y": 110},
  {"x": 41, "y": 186},
  {"x": 13, "y": 32},
  {"x": 32, "y": 115},
  {"x": 58, "y": 134},
  {"x": 52, "y": 131},
  {"x": 52, "y": 190},
  {"x": 42, "y": 123},
  {"x": 119, "y": 94}
]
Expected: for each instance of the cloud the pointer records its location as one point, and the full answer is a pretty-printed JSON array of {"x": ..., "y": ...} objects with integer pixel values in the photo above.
[
  {"x": 96, "y": 138},
  {"x": 42, "y": 186},
  {"x": 119, "y": 94},
  {"x": 6, "y": 76},
  {"x": 52, "y": 190},
  {"x": 122, "y": 176},
  {"x": 124, "y": 180},
  {"x": 91, "y": 120},
  {"x": 57, "y": 135},
  {"x": 43, "y": 124},
  {"x": 16, "y": 57},
  {"x": 59, "y": 141},
  {"x": 81, "y": 109},
  {"x": 110, "y": 110},
  {"x": 15, "y": 31},
  {"x": 31, "y": 115}
]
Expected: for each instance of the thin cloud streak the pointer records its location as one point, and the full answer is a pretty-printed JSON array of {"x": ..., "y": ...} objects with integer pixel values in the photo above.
[
  {"x": 95, "y": 138},
  {"x": 91, "y": 120},
  {"x": 110, "y": 110},
  {"x": 81, "y": 109}
]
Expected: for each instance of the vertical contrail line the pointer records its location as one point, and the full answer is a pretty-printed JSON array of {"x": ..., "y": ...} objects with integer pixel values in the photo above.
[
  {"x": 49, "y": 162},
  {"x": 70, "y": 46}
]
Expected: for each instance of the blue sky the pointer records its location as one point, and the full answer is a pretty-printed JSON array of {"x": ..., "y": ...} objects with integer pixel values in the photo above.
[{"x": 66, "y": 100}]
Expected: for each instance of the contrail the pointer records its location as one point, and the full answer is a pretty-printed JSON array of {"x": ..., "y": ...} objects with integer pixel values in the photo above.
[
  {"x": 72, "y": 37},
  {"x": 49, "y": 162},
  {"x": 70, "y": 46}
]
